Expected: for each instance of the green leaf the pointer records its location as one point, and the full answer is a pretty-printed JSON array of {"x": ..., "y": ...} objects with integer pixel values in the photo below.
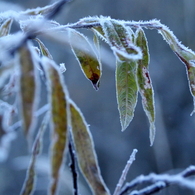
[
  {"x": 5, "y": 27},
  {"x": 58, "y": 103},
  {"x": 125, "y": 36},
  {"x": 126, "y": 90},
  {"x": 119, "y": 38},
  {"x": 88, "y": 61},
  {"x": 84, "y": 146},
  {"x": 99, "y": 32},
  {"x": 29, "y": 183},
  {"x": 44, "y": 50},
  {"x": 145, "y": 83},
  {"x": 28, "y": 84},
  {"x": 186, "y": 55}
]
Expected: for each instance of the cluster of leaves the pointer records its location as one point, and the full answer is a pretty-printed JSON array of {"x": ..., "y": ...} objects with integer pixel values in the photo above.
[{"x": 23, "y": 65}]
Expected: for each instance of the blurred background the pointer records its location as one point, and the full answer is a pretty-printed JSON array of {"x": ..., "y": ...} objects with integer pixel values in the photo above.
[{"x": 173, "y": 149}]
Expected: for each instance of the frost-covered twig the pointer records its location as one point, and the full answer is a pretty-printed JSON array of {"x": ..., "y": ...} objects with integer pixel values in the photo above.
[
  {"x": 151, "y": 24},
  {"x": 160, "y": 182},
  {"x": 124, "y": 173},
  {"x": 150, "y": 189}
]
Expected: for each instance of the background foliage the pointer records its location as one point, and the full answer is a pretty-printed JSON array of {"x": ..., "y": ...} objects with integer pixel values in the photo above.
[{"x": 175, "y": 129}]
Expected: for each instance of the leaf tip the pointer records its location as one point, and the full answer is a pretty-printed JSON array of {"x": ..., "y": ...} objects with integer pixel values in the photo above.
[
  {"x": 125, "y": 124},
  {"x": 95, "y": 81},
  {"x": 152, "y": 133},
  {"x": 193, "y": 111}
]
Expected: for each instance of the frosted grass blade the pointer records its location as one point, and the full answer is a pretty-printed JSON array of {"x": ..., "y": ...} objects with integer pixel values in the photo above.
[{"x": 85, "y": 152}]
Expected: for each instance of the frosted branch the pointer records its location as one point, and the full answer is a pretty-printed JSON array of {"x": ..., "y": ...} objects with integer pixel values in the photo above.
[
  {"x": 160, "y": 182},
  {"x": 124, "y": 173},
  {"x": 151, "y": 24}
]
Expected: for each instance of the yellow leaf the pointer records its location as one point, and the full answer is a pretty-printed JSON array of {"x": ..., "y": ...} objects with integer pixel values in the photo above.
[
  {"x": 29, "y": 86},
  {"x": 58, "y": 103},
  {"x": 84, "y": 146}
]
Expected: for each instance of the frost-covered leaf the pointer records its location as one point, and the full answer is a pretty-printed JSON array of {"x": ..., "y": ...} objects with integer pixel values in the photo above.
[
  {"x": 29, "y": 184},
  {"x": 28, "y": 84},
  {"x": 44, "y": 50},
  {"x": 58, "y": 109},
  {"x": 186, "y": 55},
  {"x": 99, "y": 31},
  {"x": 126, "y": 37},
  {"x": 120, "y": 40},
  {"x": 126, "y": 69},
  {"x": 126, "y": 90},
  {"x": 5, "y": 27},
  {"x": 145, "y": 83},
  {"x": 86, "y": 57},
  {"x": 84, "y": 147}
]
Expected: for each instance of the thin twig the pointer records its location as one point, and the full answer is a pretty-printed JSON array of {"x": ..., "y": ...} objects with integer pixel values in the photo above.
[
  {"x": 150, "y": 189},
  {"x": 160, "y": 182},
  {"x": 73, "y": 165},
  {"x": 124, "y": 173}
]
